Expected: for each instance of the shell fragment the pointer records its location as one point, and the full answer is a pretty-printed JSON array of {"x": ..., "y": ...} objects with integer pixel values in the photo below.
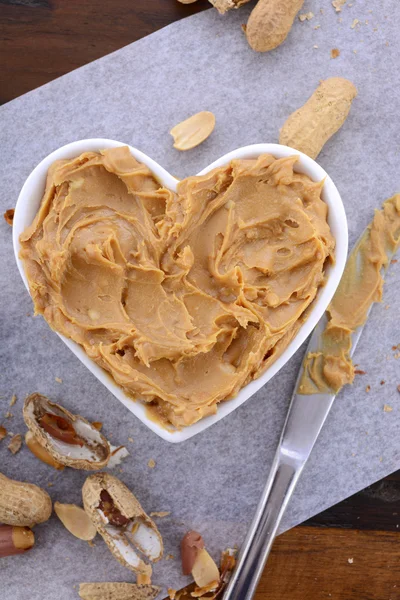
[
  {"x": 117, "y": 455},
  {"x": 40, "y": 452}
]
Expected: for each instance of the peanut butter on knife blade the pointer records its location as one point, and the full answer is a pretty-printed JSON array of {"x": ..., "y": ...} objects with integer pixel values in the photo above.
[{"x": 329, "y": 369}]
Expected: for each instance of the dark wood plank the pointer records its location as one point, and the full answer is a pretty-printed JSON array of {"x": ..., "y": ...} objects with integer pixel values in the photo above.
[
  {"x": 318, "y": 564},
  {"x": 311, "y": 564},
  {"x": 43, "y": 39},
  {"x": 375, "y": 508}
]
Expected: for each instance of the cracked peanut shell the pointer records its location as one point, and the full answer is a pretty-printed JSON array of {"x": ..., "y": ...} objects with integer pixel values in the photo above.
[
  {"x": 131, "y": 535},
  {"x": 83, "y": 446}
]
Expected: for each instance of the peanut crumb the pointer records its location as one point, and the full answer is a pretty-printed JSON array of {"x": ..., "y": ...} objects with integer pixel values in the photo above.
[
  {"x": 50, "y": 484},
  {"x": 387, "y": 408},
  {"x": 3, "y": 432},
  {"x": 58, "y": 379},
  {"x": 387, "y": 306},
  {"x": 152, "y": 463},
  {"x": 13, "y": 400},
  {"x": 393, "y": 261},
  {"x": 359, "y": 372},
  {"x": 15, "y": 443},
  {"x": 9, "y": 216},
  {"x": 161, "y": 514},
  {"x": 335, "y": 52},
  {"x": 130, "y": 439},
  {"x": 350, "y": 561},
  {"x": 315, "y": 46},
  {"x": 355, "y": 51},
  {"x": 8, "y": 415},
  {"x": 383, "y": 382},
  {"x": 337, "y": 4},
  {"x": 397, "y": 355},
  {"x": 169, "y": 557},
  {"x": 354, "y": 23},
  {"x": 368, "y": 388},
  {"x": 317, "y": 26},
  {"x": 306, "y": 16}
]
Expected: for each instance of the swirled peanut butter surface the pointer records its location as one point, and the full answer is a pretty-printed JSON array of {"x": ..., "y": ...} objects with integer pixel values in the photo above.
[
  {"x": 329, "y": 369},
  {"x": 182, "y": 297}
]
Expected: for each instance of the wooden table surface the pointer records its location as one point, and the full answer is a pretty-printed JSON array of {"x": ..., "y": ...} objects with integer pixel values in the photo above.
[{"x": 352, "y": 550}]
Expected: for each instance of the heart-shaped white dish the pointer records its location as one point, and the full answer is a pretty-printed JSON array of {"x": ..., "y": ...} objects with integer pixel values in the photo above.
[{"x": 28, "y": 204}]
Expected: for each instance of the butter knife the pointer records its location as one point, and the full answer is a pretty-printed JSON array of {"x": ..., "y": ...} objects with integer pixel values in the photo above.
[{"x": 304, "y": 421}]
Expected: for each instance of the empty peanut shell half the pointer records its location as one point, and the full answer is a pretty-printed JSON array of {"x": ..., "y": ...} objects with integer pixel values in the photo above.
[
  {"x": 76, "y": 520},
  {"x": 117, "y": 591},
  {"x": 193, "y": 131},
  {"x": 128, "y": 531},
  {"x": 70, "y": 439}
]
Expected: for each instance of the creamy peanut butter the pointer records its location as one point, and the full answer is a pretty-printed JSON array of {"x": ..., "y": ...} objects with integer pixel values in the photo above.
[
  {"x": 329, "y": 369},
  {"x": 182, "y": 297}
]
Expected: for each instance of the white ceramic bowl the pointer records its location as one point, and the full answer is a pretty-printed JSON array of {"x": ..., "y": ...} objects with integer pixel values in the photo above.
[{"x": 28, "y": 204}]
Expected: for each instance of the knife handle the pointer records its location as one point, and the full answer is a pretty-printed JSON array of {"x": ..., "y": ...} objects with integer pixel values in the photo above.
[
  {"x": 258, "y": 543},
  {"x": 303, "y": 424}
]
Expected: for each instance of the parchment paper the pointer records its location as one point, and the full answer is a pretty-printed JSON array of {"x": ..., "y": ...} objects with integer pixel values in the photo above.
[{"x": 213, "y": 481}]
